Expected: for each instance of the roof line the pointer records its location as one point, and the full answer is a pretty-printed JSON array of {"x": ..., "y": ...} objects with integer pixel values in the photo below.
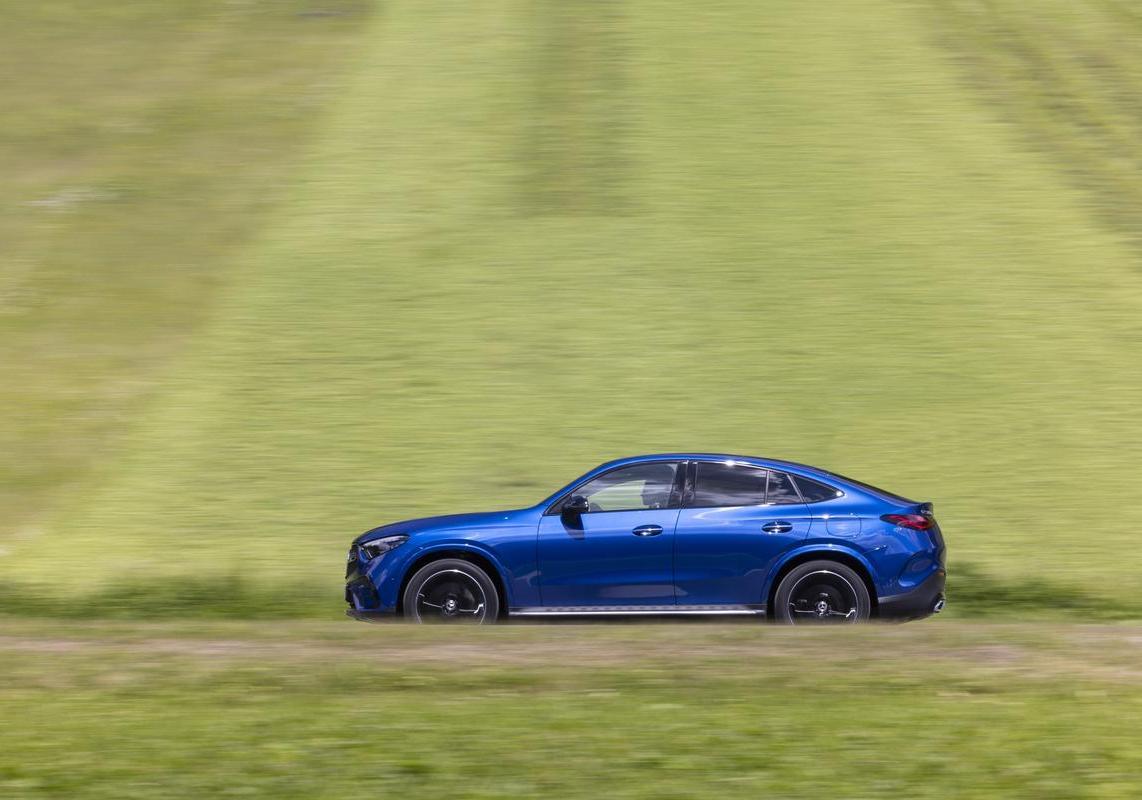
[{"x": 729, "y": 456}]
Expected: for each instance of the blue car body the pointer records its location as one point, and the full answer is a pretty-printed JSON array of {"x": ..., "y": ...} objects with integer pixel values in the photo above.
[{"x": 680, "y": 556}]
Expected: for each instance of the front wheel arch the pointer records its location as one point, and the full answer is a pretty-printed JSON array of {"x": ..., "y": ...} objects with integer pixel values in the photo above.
[
  {"x": 480, "y": 560},
  {"x": 852, "y": 562}
]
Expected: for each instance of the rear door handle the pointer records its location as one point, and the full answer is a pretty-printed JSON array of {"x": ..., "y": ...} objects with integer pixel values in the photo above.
[
  {"x": 781, "y": 526},
  {"x": 647, "y": 530}
]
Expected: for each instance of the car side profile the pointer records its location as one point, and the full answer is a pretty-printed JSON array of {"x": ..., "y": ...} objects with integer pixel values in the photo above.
[{"x": 679, "y": 533}]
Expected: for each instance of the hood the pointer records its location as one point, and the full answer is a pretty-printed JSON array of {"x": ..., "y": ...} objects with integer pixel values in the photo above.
[{"x": 446, "y": 522}]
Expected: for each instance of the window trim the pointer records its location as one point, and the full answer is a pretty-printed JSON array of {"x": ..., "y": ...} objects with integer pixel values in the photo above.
[
  {"x": 688, "y": 500},
  {"x": 792, "y": 482},
  {"x": 692, "y": 482},
  {"x": 556, "y": 508}
]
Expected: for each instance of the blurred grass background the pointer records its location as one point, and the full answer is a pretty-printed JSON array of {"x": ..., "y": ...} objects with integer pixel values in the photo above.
[
  {"x": 305, "y": 710},
  {"x": 274, "y": 273}
]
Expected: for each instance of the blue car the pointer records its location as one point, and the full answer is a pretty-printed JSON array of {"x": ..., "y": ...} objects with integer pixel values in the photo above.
[{"x": 680, "y": 533}]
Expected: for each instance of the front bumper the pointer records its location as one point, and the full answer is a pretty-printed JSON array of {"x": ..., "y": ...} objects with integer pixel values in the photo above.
[
  {"x": 360, "y": 594},
  {"x": 370, "y": 586},
  {"x": 370, "y": 616},
  {"x": 925, "y": 600}
]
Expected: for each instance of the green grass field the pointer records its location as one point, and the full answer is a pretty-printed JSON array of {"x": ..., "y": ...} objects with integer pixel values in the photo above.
[
  {"x": 278, "y": 272},
  {"x": 275, "y": 271},
  {"x": 321, "y": 710}
]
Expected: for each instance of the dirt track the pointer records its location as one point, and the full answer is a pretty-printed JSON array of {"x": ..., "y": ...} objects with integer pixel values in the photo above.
[{"x": 1111, "y": 652}]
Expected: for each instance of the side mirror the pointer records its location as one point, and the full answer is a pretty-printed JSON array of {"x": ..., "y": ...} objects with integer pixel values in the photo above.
[{"x": 576, "y": 504}]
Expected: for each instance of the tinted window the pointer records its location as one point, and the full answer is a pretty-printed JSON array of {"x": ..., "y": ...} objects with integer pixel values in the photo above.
[
  {"x": 781, "y": 489},
  {"x": 719, "y": 484},
  {"x": 635, "y": 488},
  {"x": 874, "y": 489},
  {"x": 814, "y": 492}
]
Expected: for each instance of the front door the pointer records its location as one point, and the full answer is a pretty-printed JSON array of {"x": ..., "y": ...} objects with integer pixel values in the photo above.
[
  {"x": 735, "y": 523},
  {"x": 620, "y": 551}
]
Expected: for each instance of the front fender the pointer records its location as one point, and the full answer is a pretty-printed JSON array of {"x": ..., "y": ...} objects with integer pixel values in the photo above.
[{"x": 390, "y": 576}]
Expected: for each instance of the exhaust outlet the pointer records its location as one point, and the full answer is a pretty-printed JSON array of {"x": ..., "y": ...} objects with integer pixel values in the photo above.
[{"x": 938, "y": 606}]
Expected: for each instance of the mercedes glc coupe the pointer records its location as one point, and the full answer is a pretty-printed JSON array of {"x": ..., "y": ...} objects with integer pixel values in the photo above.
[{"x": 682, "y": 533}]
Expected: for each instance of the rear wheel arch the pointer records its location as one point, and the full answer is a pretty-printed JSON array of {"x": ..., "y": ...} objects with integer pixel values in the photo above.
[
  {"x": 471, "y": 556},
  {"x": 839, "y": 556}
]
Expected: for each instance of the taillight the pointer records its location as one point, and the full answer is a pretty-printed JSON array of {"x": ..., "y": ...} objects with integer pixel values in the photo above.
[{"x": 917, "y": 522}]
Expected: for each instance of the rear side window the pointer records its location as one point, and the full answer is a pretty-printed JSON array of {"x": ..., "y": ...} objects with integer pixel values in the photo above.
[
  {"x": 719, "y": 484},
  {"x": 814, "y": 492},
  {"x": 781, "y": 489},
  {"x": 891, "y": 496}
]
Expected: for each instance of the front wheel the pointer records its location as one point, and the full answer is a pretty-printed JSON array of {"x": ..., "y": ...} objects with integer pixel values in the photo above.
[
  {"x": 451, "y": 591},
  {"x": 822, "y": 593}
]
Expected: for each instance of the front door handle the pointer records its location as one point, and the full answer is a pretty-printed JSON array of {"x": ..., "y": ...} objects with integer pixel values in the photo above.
[
  {"x": 647, "y": 530},
  {"x": 781, "y": 526}
]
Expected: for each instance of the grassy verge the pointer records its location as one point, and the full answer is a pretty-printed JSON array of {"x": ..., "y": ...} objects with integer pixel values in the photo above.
[
  {"x": 972, "y": 592},
  {"x": 318, "y": 710}
]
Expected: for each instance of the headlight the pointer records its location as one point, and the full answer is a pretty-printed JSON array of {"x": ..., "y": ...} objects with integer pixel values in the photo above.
[{"x": 383, "y": 545}]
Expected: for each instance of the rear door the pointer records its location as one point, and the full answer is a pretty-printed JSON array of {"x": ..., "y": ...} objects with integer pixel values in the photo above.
[
  {"x": 736, "y": 521},
  {"x": 619, "y": 553}
]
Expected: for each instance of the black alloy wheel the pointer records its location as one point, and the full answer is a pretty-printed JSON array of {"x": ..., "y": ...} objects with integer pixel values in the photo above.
[
  {"x": 451, "y": 591},
  {"x": 822, "y": 593}
]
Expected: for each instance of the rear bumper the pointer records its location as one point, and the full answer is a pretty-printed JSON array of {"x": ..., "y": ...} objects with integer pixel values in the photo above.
[{"x": 924, "y": 600}]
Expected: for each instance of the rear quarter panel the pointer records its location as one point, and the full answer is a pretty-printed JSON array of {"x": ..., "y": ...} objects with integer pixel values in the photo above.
[{"x": 897, "y": 559}]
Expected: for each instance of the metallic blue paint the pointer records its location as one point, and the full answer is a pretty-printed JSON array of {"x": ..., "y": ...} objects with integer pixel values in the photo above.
[
  {"x": 703, "y": 556},
  {"x": 601, "y": 562},
  {"x": 723, "y": 555}
]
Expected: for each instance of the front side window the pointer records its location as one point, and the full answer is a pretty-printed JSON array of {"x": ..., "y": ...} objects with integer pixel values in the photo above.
[
  {"x": 639, "y": 487},
  {"x": 717, "y": 483}
]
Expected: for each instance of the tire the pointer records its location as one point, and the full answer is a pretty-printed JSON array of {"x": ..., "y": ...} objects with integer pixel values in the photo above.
[
  {"x": 451, "y": 590},
  {"x": 821, "y": 593}
]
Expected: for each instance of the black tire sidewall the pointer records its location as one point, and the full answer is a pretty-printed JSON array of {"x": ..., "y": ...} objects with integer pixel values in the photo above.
[
  {"x": 785, "y": 588},
  {"x": 491, "y": 596}
]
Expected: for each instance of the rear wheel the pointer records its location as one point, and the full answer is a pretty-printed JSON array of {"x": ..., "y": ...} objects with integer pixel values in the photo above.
[
  {"x": 451, "y": 591},
  {"x": 822, "y": 593}
]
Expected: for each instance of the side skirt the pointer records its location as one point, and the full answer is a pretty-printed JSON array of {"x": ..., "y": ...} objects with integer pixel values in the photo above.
[{"x": 637, "y": 611}]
